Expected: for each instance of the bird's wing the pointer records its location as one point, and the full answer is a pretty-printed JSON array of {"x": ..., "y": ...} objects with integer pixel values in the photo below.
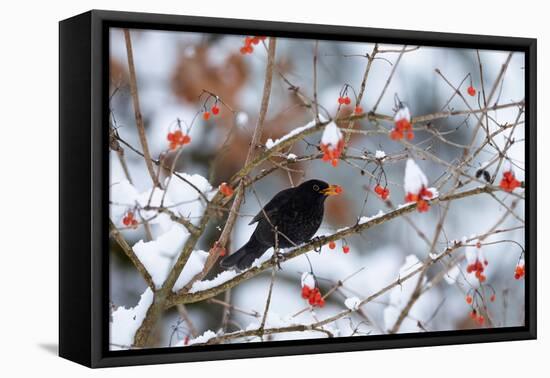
[{"x": 272, "y": 206}]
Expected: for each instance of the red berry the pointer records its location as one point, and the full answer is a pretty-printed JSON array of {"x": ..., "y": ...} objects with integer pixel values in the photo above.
[
  {"x": 345, "y": 248},
  {"x": 332, "y": 245},
  {"x": 493, "y": 298},
  {"x": 225, "y": 189},
  {"x": 347, "y": 100},
  {"x": 341, "y": 100},
  {"x": 215, "y": 110},
  {"x": 358, "y": 110},
  {"x": 206, "y": 115},
  {"x": 480, "y": 319},
  {"x": 471, "y": 91},
  {"x": 469, "y": 299}
]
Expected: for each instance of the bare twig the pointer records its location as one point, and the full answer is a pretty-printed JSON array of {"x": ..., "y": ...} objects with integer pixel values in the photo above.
[{"x": 137, "y": 109}]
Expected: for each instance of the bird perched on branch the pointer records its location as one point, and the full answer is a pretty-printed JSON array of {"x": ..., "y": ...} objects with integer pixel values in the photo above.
[{"x": 292, "y": 217}]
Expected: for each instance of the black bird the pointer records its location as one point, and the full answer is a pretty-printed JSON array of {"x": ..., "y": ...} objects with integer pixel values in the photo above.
[{"x": 295, "y": 214}]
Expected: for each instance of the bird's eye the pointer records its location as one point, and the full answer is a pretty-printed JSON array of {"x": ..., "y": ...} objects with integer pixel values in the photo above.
[{"x": 316, "y": 188}]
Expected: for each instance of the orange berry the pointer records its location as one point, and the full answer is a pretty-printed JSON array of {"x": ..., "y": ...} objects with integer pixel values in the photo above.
[
  {"x": 226, "y": 190},
  {"x": 332, "y": 245},
  {"x": 206, "y": 115}
]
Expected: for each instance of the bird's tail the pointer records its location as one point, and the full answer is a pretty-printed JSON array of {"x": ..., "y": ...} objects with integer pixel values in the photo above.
[{"x": 245, "y": 256}]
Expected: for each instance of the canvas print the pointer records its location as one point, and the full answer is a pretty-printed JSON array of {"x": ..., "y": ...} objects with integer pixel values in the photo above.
[{"x": 265, "y": 189}]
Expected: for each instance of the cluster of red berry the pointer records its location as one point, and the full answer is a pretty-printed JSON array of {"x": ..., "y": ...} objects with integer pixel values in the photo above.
[
  {"x": 249, "y": 42},
  {"x": 313, "y": 296},
  {"x": 177, "y": 139},
  {"x": 519, "y": 272},
  {"x": 344, "y": 100},
  {"x": 383, "y": 193},
  {"x": 421, "y": 199},
  {"x": 130, "y": 221},
  {"x": 215, "y": 111},
  {"x": 509, "y": 181},
  {"x": 478, "y": 267},
  {"x": 332, "y": 154},
  {"x": 225, "y": 189},
  {"x": 471, "y": 91},
  {"x": 403, "y": 126},
  {"x": 475, "y": 315},
  {"x": 345, "y": 247}
]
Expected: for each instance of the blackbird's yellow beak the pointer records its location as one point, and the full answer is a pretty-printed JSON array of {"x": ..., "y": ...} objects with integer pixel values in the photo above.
[{"x": 332, "y": 190}]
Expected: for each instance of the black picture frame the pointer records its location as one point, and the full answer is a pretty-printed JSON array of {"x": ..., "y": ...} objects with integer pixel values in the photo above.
[{"x": 83, "y": 196}]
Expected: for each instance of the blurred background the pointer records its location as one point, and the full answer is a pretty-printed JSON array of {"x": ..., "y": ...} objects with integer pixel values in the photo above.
[{"x": 173, "y": 68}]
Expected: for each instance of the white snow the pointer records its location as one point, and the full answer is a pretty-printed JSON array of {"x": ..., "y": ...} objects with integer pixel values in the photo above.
[
  {"x": 123, "y": 195},
  {"x": 224, "y": 276},
  {"x": 308, "y": 280},
  {"x": 270, "y": 143},
  {"x": 402, "y": 113},
  {"x": 205, "y": 337},
  {"x": 352, "y": 303},
  {"x": 379, "y": 154},
  {"x": 291, "y": 157},
  {"x": 157, "y": 255},
  {"x": 194, "y": 265},
  {"x": 365, "y": 219},
  {"x": 331, "y": 135},
  {"x": 263, "y": 258},
  {"x": 415, "y": 179},
  {"x": 126, "y": 321}
]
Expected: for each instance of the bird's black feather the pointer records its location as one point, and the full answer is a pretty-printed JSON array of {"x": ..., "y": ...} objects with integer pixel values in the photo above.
[{"x": 291, "y": 218}]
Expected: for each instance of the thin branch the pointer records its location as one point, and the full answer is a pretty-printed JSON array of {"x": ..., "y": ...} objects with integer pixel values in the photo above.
[
  {"x": 137, "y": 109},
  {"x": 128, "y": 251}
]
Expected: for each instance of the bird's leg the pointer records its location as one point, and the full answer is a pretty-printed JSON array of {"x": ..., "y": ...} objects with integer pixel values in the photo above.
[
  {"x": 277, "y": 258},
  {"x": 277, "y": 255},
  {"x": 317, "y": 244}
]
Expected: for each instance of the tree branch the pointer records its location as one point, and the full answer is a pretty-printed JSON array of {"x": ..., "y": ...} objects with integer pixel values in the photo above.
[{"x": 137, "y": 109}]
